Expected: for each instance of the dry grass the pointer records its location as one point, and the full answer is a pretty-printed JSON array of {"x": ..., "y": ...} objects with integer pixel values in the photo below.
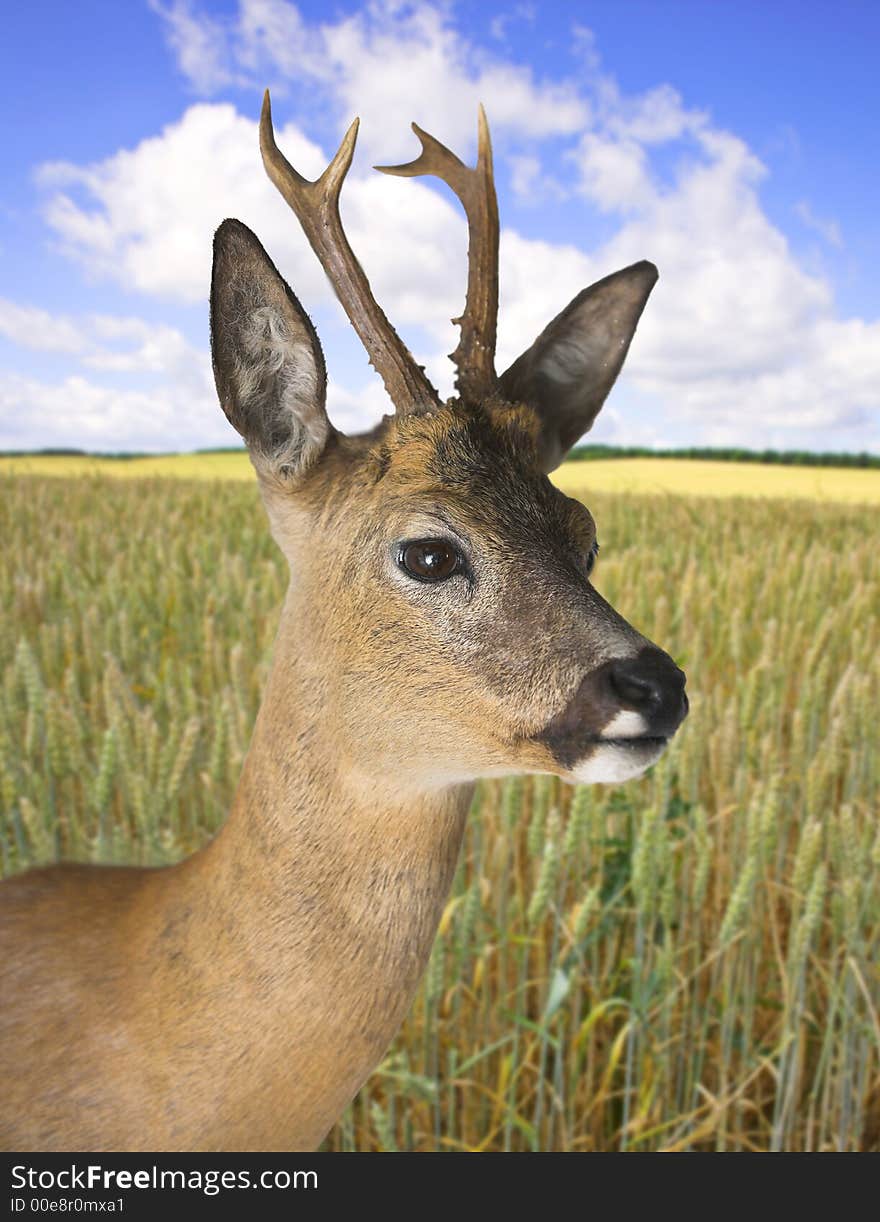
[{"x": 684, "y": 962}]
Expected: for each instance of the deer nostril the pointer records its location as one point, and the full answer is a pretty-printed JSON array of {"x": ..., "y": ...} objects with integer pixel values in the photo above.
[
  {"x": 638, "y": 691},
  {"x": 651, "y": 684}
]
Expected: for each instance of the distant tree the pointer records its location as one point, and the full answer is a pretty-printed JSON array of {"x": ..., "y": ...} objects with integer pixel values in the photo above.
[{"x": 792, "y": 458}]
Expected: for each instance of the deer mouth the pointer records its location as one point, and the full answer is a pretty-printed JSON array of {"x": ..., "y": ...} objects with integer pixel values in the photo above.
[
  {"x": 586, "y": 757},
  {"x": 612, "y": 760},
  {"x": 633, "y": 741}
]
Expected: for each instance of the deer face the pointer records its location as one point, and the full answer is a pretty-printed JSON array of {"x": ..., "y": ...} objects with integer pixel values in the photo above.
[
  {"x": 441, "y": 582},
  {"x": 462, "y": 635}
]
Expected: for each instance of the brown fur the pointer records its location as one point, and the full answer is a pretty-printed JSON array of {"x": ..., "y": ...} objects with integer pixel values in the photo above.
[
  {"x": 238, "y": 1000},
  {"x": 157, "y": 1009}
]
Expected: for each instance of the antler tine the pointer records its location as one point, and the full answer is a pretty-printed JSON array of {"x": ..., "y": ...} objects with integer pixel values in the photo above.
[
  {"x": 316, "y": 205},
  {"x": 475, "y": 355}
]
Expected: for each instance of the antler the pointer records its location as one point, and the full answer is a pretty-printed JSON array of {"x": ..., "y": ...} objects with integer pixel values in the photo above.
[
  {"x": 316, "y": 205},
  {"x": 475, "y": 354}
]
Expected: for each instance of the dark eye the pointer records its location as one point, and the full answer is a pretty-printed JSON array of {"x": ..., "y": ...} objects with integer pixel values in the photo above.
[
  {"x": 429, "y": 559},
  {"x": 591, "y": 558}
]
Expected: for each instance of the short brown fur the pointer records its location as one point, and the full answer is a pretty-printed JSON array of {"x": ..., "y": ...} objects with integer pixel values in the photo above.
[{"x": 238, "y": 1000}]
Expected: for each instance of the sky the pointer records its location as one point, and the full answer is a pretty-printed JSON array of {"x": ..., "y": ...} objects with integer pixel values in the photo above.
[{"x": 731, "y": 143}]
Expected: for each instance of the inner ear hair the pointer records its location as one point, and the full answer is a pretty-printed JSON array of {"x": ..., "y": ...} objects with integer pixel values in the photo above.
[
  {"x": 268, "y": 364},
  {"x": 566, "y": 374},
  {"x": 277, "y": 380}
]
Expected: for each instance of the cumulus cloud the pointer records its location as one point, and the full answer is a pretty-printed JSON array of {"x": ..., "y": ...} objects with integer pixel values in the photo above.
[
  {"x": 199, "y": 44},
  {"x": 77, "y": 412},
  {"x": 738, "y": 335},
  {"x": 30, "y": 327},
  {"x": 102, "y": 341},
  {"x": 145, "y": 217},
  {"x": 158, "y": 392},
  {"x": 390, "y": 58}
]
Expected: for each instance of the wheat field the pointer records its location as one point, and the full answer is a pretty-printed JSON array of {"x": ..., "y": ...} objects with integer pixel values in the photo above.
[{"x": 686, "y": 962}]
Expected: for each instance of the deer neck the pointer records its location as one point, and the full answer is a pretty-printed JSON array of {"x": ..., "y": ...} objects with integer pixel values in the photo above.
[{"x": 319, "y": 900}]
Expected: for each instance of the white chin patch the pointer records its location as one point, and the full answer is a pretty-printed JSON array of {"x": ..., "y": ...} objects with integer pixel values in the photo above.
[
  {"x": 619, "y": 760},
  {"x": 613, "y": 763}
]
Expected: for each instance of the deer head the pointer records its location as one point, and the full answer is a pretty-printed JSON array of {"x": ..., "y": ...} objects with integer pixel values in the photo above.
[{"x": 440, "y": 587}]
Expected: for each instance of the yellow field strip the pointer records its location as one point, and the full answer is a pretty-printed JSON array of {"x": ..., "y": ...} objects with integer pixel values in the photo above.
[
  {"x": 178, "y": 466},
  {"x": 695, "y": 477},
  {"x": 686, "y": 477}
]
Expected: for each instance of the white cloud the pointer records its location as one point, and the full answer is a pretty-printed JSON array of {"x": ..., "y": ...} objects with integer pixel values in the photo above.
[
  {"x": 614, "y": 172},
  {"x": 145, "y": 217},
  {"x": 389, "y": 59},
  {"x": 353, "y": 411},
  {"x": 525, "y": 175},
  {"x": 827, "y": 229},
  {"x": 76, "y": 412},
  {"x": 148, "y": 214},
  {"x": 152, "y": 347},
  {"x": 655, "y": 117},
  {"x": 176, "y": 408},
  {"x": 737, "y": 335},
  {"x": 199, "y": 43},
  {"x": 537, "y": 280},
  {"x": 499, "y": 25},
  {"x": 177, "y": 411},
  {"x": 31, "y": 327}
]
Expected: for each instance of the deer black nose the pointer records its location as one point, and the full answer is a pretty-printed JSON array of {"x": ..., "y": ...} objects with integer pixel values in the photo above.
[{"x": 651, "y": 684}]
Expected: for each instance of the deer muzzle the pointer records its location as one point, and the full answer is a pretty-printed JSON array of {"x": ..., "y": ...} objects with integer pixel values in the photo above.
[{"x": 620, "y": 718}]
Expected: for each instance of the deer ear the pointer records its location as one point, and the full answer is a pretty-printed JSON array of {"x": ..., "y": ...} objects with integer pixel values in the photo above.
[
  {"x": 268, "y": 365},
  {"x": 570, "y": 368}
]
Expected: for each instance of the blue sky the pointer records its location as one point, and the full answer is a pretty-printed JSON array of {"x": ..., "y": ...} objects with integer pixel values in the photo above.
[{"x": 732, "y": 143}]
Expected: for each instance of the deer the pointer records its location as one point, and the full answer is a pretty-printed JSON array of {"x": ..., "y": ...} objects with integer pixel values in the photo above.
[{"x": 440, "y": 626}]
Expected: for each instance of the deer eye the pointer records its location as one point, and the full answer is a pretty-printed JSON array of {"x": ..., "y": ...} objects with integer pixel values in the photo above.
[
  {"x": 591, "y": 558},
  {"x": 429, "y": 559}
]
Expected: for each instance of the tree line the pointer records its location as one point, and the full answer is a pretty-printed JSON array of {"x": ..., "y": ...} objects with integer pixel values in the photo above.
[
  {"x": 790, "y": 458},
  {"x": 585, "y": 453}
]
